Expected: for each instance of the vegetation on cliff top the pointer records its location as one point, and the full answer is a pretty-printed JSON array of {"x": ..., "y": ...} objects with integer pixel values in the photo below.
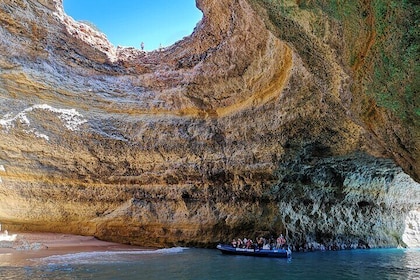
[{"x": 381, "y": 45}]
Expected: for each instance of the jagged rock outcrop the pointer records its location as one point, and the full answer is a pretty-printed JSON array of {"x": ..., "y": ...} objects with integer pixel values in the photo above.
[{"x": 261, "y": 121}]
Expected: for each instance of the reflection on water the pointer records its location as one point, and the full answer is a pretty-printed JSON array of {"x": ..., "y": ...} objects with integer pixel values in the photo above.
[
  {"x": 100, "y": 257},
  {"x": 5, "y": 259},
  {"x": 411, "y": 263},
  {"x": 14, "y": 258},
  {"x": 181, "y": 263}
]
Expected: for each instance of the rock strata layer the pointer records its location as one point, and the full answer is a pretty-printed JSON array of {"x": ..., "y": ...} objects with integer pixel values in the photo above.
[{"x": 257, "y": 123}]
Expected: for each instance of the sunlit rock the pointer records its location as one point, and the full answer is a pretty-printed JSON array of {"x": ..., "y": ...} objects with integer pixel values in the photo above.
[
  {"x": 264, "y": 120},
  {"x": 411, "y": 235}
]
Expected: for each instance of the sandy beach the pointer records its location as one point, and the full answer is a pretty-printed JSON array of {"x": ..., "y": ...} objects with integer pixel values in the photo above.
[{"x": 30, "y": 247}]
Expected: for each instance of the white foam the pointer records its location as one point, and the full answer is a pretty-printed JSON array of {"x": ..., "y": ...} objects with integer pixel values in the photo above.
[
  {"x": 104, "y": 256},
  {"x": 7, "y": 237}
]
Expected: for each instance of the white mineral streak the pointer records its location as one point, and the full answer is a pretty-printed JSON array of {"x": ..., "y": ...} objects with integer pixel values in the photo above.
[
  {"x": 70, "y": 118},
  {"x": 2, "y": 169},
  {"x": 411, "y": 235},
  {"x": 8, "y": 120},
  {"x": 38, "y": 134}
]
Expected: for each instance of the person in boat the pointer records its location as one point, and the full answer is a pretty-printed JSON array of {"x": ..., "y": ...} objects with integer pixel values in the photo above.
[
  {"x": 281, "y": 241},
  {"x": 260, "y": 243},
  {"x": 239, "y": 243},
  {"x": 234, "y": 243},
  {"x": 249, "y": 244}
]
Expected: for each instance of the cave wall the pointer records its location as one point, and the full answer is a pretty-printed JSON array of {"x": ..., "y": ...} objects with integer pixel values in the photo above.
[{"x": 255, "y": 124}]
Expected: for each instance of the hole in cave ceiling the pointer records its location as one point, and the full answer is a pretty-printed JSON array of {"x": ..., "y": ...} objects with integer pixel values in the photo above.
[{"x": 156, "y": 23}]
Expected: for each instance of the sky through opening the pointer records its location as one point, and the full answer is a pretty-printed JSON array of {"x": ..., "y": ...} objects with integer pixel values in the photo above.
[{"x": 128, "y": 23}]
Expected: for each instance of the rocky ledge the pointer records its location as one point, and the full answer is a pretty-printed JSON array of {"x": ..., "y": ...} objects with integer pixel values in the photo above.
[{"x": 272, "y": 116}]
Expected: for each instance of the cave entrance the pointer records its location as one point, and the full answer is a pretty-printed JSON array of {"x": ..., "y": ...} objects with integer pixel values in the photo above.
[{"x": 146, "y": 24}]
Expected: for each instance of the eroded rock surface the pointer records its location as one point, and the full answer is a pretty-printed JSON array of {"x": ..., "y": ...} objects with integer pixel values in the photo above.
[{"x": 257, "y": 123}]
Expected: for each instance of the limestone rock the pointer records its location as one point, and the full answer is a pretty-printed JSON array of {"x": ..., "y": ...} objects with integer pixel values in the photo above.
[{"x": 258, "y": 122}]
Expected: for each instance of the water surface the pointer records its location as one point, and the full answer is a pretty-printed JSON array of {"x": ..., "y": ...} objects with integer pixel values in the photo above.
[{"x": 183, "y": 263}]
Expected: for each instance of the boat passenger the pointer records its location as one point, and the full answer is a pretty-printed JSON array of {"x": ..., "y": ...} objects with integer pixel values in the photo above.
[
  {"x": 260, "y": 243},
  {"x": 239, "y": 243},
  {"x": 234, "y": 243},
  {"x": 249, "y": 244},
  {"x": 280, "y": 242}
]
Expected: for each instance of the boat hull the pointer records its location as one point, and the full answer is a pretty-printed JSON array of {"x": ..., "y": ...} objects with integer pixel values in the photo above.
[{"x": 276, "y": 253}]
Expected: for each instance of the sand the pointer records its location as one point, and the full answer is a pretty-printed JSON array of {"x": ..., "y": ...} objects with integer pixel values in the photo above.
[{"x": 30, "y": 247}]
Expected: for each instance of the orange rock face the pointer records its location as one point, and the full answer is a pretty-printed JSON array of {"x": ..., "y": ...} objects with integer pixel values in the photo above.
[{"x": 239, "y": 129}]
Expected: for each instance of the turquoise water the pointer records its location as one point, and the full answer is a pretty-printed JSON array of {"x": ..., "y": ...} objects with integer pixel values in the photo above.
[{"x": 183, "y": 263}]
